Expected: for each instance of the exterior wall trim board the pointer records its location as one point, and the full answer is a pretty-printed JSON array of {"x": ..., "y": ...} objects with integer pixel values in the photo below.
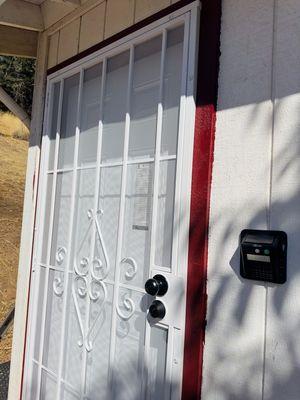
[
  {"x": 106, "y": 42},
  {"x": 205, "y": 119}
]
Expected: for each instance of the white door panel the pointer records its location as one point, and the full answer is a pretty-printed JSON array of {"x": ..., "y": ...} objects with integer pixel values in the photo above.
[{"x": 116, "y": 158}]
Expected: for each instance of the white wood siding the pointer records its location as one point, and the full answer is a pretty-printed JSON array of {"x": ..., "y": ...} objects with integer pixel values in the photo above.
[
  {"x": 53, "y": 11},
  {"x": 252, "y": 350},
  {"x": 53, "y": 50},
  {"x": 118, "y": 16},
  {"x": 68, "y": 40},
  {"x": 283, "y": 304},
  {"x": 96, "y": 19},
  {"x": 144, "y": 8},
  {"x": 92, "y": 27}
]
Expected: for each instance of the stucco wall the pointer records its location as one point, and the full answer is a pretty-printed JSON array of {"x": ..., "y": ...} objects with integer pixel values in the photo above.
[
  {"x": 252, "y": 347},
  {"x": 73, "y": 30}
]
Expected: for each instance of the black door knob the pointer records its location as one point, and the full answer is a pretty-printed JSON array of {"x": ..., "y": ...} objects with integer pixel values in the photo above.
[
  {"x": 157, "y": 309},
  {"x": 156, "y": 286}
]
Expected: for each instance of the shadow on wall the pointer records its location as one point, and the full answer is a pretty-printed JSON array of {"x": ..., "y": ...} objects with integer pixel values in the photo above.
[
  {"x": 247, "y": 48},
  {"x": 252, "y": 346},
  {"x": 239, "y": 315}
]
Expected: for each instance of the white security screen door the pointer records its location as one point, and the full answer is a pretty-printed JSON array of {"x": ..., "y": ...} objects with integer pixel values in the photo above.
[{"x": 112, "y": 213}]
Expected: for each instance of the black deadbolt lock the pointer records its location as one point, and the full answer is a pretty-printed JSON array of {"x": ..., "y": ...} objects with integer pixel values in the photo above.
[
  {"x": 157, "y": 309},
  {"x": 156, "y": 286}
]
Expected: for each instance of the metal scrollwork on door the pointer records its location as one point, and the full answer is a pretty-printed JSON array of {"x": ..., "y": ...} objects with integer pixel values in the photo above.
[
  {"x": 58, "y": 284},
  {"x": 60, "y": 255},
  {"x": 127, "y": 302},
  {"x": 129, "y": 306},
  {"x": 132, "y": 270},
  {"x": 88, "y": 281}
]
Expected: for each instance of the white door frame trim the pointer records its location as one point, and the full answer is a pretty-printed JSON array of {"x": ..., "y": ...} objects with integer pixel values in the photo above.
[{"x": 28, "y": 222}]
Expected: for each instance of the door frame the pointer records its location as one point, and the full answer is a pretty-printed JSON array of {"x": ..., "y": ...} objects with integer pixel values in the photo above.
[
  {"x": 206, "y": 100},
  {"x": 189, "y": 15}
]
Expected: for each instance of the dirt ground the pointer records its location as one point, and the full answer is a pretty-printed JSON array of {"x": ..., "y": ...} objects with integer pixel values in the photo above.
[{"x": 13, "y": 155}]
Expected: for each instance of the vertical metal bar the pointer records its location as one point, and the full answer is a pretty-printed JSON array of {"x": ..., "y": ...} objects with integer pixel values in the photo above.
[
  {"x": 169, "y": 360},
  {"x": 180, "y": 141},
  {"x": 177, "y": 190},
  {"x": 52, "y": 207},
  {"x": 155, "y": 195},
  {"x": 93, "y": 233},
  {"x": 69, "y": 245},
  {"x": 157, "y": 152},
  {"x": 41, "y": 201},
  {"x": 187, "y": 125},
  {"x": 121, "y": 220}
]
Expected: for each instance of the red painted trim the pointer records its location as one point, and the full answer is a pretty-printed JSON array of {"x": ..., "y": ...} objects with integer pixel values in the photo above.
[
  {"x": 206, "y": 101},
  {"x": 139, "y": 25}
]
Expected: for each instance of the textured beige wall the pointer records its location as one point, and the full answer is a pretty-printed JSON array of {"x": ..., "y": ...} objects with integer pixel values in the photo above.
[
  {"x": 96, "y": 20},
  {"x": 68, "y": 40},
  {"x": 92, "y": 27}
]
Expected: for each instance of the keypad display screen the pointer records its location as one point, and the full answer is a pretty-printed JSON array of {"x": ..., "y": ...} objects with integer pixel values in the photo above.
[{"x": 258, "y": 257}]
